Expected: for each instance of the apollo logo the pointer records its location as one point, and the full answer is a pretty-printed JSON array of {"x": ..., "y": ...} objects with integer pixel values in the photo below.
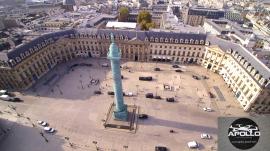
[{"x": 244, "y": 133}]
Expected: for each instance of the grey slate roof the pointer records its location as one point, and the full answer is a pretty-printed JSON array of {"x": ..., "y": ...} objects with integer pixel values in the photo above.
[
  {"x": 254, "y": 61},
  {"x": 141, "y": 35},
  {"x": 69, "y": 2}
]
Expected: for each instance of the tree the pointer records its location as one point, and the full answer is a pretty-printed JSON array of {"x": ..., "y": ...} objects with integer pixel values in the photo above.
[
  {"x": 145, "y": 20},
  {"x": 123, "y": 14},
  {"x": 144, "y": 16}
]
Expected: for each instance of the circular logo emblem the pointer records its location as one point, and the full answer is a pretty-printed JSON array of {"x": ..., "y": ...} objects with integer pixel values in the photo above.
[{"x": 244, "y": 133}]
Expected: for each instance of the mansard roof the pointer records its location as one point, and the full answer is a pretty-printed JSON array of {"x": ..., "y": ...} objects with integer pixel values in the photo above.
[{"x": 74, "y": 33}]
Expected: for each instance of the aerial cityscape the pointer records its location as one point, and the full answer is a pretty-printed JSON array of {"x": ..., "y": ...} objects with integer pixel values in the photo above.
[{"x": 134, "y": 75}]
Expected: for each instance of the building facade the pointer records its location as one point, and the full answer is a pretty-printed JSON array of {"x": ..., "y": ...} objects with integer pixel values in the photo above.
[
  {"x": 23, "y": 66},
  {"x": 243, "y": 73},
  {"x": 247, "y": 77}
]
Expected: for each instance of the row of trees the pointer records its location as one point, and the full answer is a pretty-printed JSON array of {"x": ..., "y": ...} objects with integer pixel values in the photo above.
[{"x": 144, "y": 18}]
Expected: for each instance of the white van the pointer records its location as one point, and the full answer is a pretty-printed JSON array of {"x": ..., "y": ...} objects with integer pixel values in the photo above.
[
  {"x": 3, "y": 92},
  {"x": 5, "y": 98}
]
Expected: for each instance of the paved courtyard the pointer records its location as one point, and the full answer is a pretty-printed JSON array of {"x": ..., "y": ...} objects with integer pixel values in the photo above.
[{"x": 65, "y": 99}]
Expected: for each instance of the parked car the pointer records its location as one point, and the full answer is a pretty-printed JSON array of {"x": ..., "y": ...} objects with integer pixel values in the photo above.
[
  {"x": 110, "y": 93},
  {"x": 130, "y": 94},
  {"x": 149, "y": 95},
  {"x": 157, "y": 97},
  {"x": 161, "y": 148},
  {"x": 195, "y": 77},
  {"x": 105, "y": 65},
  {"x": 143, "y": 116},
  {"x": 211, "y": 95},
  {"x": 9, "y": 98},
  {"x": 178, "y": 70},
  {"x": 146, "y": 78},
  {"x": 157, "y": 69},
  {"x": 97, "y": 92},
  {"x": 122, "y": 77},
  {"x": 170, "y": 99},
  {"x": 42, "y": 123},
  {"x": 205, "y": 136},
  {"x": 49, "y": 129},
  {"x": 175, "y": 66},
  {"x": 193, "y": 144},
  {"x": 207, "y": 109}
]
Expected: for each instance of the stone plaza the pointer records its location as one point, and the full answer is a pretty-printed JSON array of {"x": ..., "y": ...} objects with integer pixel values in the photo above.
[{"x": 65, "y": 99}]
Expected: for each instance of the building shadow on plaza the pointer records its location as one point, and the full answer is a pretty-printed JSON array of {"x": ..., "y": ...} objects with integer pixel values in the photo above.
[
  {"x": 78, "y": 83},
  {"x": 153, "y": 121},
  {"x": 17, "y": 137}
]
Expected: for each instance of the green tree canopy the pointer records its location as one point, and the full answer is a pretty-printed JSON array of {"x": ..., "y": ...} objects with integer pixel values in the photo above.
[
  {"x": 144, "y": 16},
  {"x": 145, "y": 20},
  {"x": 123, "y": 14}
]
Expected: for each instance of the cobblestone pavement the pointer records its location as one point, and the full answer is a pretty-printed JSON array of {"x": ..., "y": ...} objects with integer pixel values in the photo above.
[{"x": 68, "y": 104}]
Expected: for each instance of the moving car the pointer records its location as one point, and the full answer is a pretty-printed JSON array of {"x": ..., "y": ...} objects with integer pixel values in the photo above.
[
  {"x": 193, "y": 144},
  {"x": 170, "y": 99},
  {"x": 97, "y": 92},
  {"x": 3, "y": 92},
  {"x": 143, "y": 116},
  {"x": 5, "y": 97},
  {"x": 205, "y": 136},
  {"x": 178, "y": 70},
  {"x": 130, "y": 94},
  {"x": 42, "y": 123},
  {"x": 110, "y": 93},
  {"x": 161, "y": 148},
  {"x": 49, "y": 129},
  {"x": 157, "y": 69},
  {"x": 149, "y": 95},
  {"x": 146, "y": 78},
  {"x": 207, "y": 109},
  {"x": 175, "y": 66}
]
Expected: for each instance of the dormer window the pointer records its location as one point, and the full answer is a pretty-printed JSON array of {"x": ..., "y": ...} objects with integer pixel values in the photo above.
[
  {"x": 121, "y": 37},
  {"x": 26, "y": 53},
  {"x": 22, "y": 55},
  {"x": 191, "y": 41},
  {"x": 176, "y": 41},
  {"x": 171, "y": 40},
  {"x": 107, "y": 37},
  {"x": 126, "y": 38},
  {"x": 31, "y": 50},
  {"x": 161, "y": 39},
  {"x": 181, "y": 41},
  {"x": 186, "y": 41},
  {"x": 18, "y": 59},
  {"x": 151, "y": 39},
  {"x": 156, "y": 39},
  {"x": 166, "y": 40},
  {"x": 145, "y": 39},
  {"x": 201, "y": 41}
]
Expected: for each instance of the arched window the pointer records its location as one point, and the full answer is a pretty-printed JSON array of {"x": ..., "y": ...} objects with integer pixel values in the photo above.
[
  {"x": 191, "y": 41},
  {"x": 196, "y": 42},
  {"x": 152, "y": 39},
  {"x": 186, "y": 41},
  {"x": 171, "y": 40},
  {"x": 161, "y": 39},
  {"x": 156, "y": 39},
  {"x": 181, "y": 41},
  {"x": 176, "y": 41}
]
